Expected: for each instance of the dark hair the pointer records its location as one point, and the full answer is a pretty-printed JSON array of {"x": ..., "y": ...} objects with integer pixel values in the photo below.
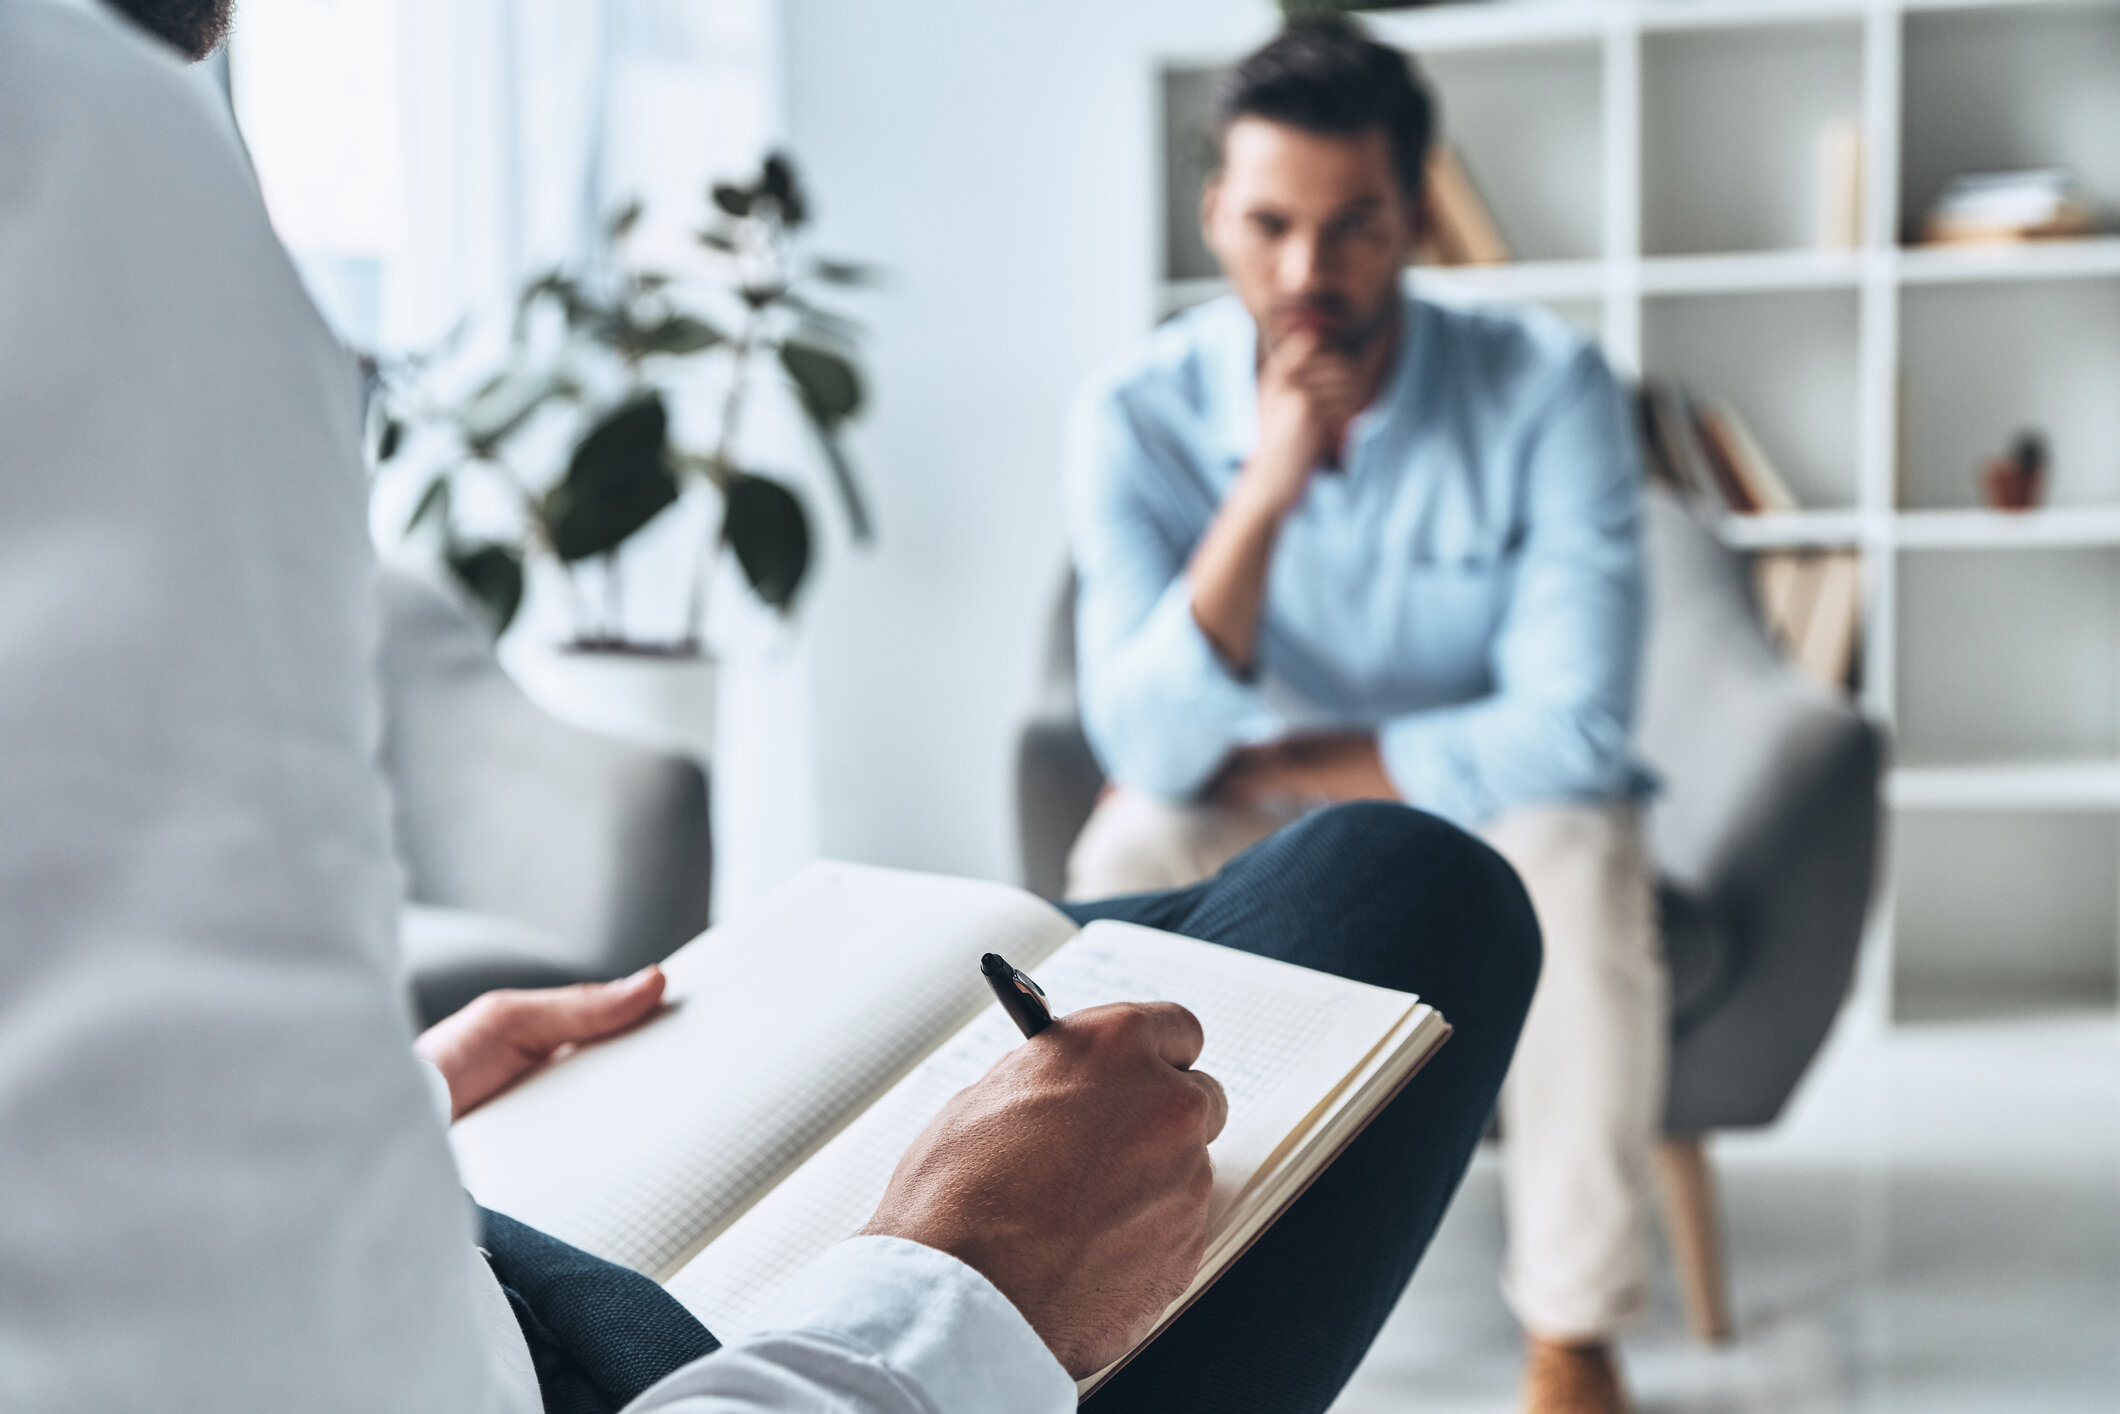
[
  {"x": 1327, "y": 76},
  {"x": 195, "y": 27}
]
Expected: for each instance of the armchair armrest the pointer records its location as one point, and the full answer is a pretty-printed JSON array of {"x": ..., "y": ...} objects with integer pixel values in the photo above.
[{"x": 1770, "y": 818}]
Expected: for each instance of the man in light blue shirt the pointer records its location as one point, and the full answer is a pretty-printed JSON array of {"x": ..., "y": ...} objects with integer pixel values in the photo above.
[{"x": 1338, "y": 542}]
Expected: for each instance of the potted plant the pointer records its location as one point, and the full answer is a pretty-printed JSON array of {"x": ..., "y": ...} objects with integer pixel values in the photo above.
[{"x": 571, "y": 434}]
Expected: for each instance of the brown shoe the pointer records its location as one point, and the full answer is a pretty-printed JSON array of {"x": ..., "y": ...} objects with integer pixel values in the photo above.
[{"x": 1571, "y": 1379}]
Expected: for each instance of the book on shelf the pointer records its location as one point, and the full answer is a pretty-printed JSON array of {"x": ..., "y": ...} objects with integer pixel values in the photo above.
[
  {"x": 1732, "y": 444},
  {"x": 1839, "y": 213},
  {"x": 2035, "y": 203},
  {"x": 1673, "y": 453},
  {"x": 1810, "y": 601},
  {"x": 1811, "y": 604},
  {"x": 1705, "y": 449},
  {"x": 757, "y": 1119},
  {"x": 1461, "y": 229}
]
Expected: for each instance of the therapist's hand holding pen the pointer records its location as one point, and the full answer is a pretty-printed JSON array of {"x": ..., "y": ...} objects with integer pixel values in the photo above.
[{"x": 1074, "y": 1176}]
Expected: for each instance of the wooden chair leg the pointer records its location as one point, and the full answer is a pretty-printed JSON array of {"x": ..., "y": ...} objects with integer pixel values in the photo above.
[{"x": 1695, "y": 1231}]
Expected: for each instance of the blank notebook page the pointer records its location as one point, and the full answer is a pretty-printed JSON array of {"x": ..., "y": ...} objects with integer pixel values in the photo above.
[
  {"x": 1279, "y": 1038},
  {"x": 782, "y": 1025}
]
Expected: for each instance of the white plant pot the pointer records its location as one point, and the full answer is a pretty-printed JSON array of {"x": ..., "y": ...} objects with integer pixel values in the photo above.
[{"x": 665, "y": 703}]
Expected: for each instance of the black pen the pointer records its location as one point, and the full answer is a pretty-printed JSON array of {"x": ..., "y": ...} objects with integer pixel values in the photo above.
[{"x": 1021, "y": 998}]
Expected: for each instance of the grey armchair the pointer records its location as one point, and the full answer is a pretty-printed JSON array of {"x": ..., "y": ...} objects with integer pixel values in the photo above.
[
  {"x": 535, "y": 853},
  {"x": 1765, "y": 838}
]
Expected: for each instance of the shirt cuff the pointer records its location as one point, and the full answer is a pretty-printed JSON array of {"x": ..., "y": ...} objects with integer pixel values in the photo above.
[
  {"x": 1187, "y": 709},
  {"x": 438, "y": 1090},
  {"x": 1425, "y": 756},
  {"x": 933, "y": 1322}
]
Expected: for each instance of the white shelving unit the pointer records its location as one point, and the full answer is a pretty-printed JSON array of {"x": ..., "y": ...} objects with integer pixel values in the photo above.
[{"x": 1653, "y": 163}]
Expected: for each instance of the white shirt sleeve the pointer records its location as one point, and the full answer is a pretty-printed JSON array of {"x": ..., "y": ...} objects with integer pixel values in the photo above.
[{"x": 878, "y": 1325}]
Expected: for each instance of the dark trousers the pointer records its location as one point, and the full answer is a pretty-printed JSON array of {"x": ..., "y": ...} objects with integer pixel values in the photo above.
[{"x": 1375, "y": 892}]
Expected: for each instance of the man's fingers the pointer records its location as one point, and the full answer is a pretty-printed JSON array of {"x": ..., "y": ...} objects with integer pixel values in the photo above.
[
  {"x": 1218, "y": 1103},
  {"x": 1291, "y": 358},
  {"x": 587, "y": 1011},
  {"x": 1174, "y": 1032}
]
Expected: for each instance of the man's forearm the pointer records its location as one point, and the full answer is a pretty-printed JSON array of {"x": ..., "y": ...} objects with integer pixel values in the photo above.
[
  {"x": 1308, "y": 769},
  {"x": 1228, "y": 569}
]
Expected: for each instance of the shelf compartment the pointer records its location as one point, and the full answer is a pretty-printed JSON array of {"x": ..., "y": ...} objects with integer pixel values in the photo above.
[
  {"x": 1768, "y": 270},
  {"x": 2008, "y": 655},
  {"x": 2032, "y": 260},
  {"x": 2010, "y": 86},
  {"x": 1731, "y": 119},
  {"x": 1982, "y": 362},
  {"x": 2088, "y": 784},
  {"x": 1538, "y": 166},
  {"x": 1522, "y": 280},
  {"x": 1792, "y": 530},
  {"x": 1785, "y": 360},
  {"x": 1667, "y": 15},
  {"x": 1187, "y": 94},
  {"x": 2004, "y": 912},
  {"x": 2005, "y": 530},
  {"x": 1482, "y": 26}
]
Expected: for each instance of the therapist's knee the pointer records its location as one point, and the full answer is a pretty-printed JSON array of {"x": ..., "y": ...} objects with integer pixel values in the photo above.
[{"x": 1415, "y": 882}]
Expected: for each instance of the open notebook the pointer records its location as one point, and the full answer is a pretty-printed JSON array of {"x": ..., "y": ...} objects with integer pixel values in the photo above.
[{"x": 755, "y": 1122}]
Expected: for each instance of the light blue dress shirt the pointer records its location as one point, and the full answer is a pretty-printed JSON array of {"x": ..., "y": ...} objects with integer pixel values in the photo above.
[{"x": 1469, "y": 586}]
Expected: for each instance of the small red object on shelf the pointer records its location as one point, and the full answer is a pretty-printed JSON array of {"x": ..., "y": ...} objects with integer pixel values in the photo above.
[{"x": 2016, "y": 482}]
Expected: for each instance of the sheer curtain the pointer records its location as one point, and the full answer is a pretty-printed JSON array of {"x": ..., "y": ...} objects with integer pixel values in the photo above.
[{"x": 420, "y": 157}]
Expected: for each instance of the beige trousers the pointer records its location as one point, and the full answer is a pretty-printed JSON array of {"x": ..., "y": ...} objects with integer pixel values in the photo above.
[{"x": 1585, "y": 1092}]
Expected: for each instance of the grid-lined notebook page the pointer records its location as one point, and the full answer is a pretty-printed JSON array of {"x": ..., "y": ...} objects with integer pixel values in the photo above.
[
  {"x": 783, "y": 1023},
  {"x": 1281, "y": 1040}
]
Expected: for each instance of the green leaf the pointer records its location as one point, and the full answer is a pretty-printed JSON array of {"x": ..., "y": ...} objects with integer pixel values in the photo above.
[
  {"x": 492, "y": 574},
  {"x": 850, "y": 497},
  {"x": 618, "y": 480},
  {"x": 624, "y": 220},
  {"x": 504, "y": 402},
  {"x": 732, "y": 199},
  {"x": 828, "y": 325},
  {"x": 716, "y": 240},
  {"x": 680, "y": 334},
  {"x": 830, "y": 388},
  {"x": 778, "y": 184},
  {"x": 433, "y": 503},
  {"x": 552, "y": 283},
  {"x": 844, "y": 272},
  {"x": 765, "y": 525}
]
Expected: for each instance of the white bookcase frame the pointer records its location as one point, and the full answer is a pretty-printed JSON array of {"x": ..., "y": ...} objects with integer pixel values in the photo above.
[{"x": 1628, "y": 293}]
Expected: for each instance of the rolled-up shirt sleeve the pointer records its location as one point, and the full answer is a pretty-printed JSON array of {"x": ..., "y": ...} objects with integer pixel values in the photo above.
[
  {"x": 878, "y": 1325},
  {"x": 1568, "y": 656},
  {"x": 1160, "y": 706}
]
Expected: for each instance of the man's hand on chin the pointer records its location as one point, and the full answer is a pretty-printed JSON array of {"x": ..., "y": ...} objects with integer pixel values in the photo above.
[
  {"x": 495, "y": 1041},
  {"x": 1305, "y": 770},
  {"x": 1074, "y": 1176}
]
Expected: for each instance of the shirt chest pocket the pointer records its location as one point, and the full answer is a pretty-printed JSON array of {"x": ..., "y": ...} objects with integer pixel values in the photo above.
[{"x": 1447, "y": 608}]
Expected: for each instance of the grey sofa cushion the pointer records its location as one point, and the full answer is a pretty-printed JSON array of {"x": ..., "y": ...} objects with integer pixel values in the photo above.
[
  {"x": 601, "y": 849},
  {"x": 1765, "y": 835},
  {"x": 1701, "y": 951},
  {"x": 453, "y": 955}
]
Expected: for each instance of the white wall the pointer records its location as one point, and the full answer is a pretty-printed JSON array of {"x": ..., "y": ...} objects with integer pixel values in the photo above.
[{"x": 999, "y": 157}]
